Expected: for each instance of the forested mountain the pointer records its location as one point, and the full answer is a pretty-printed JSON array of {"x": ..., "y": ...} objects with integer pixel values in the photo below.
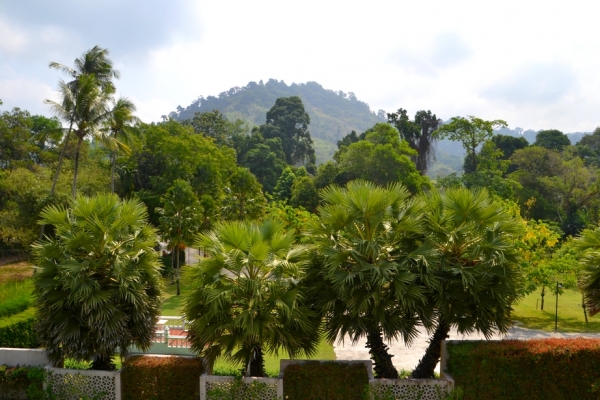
[{"x": 332, "y": 114}]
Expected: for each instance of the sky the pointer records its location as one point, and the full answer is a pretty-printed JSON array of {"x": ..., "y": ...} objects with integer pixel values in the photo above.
[{"x": 534, "y": 64}]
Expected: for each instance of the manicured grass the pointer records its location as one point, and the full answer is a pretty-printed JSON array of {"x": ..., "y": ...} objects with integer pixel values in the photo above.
[
  {"x": 325, "y": 352},
  {"x": 173, "y": 304},
  {"x": 15, "y": 296},
  {"x": 570, "y": 312}
]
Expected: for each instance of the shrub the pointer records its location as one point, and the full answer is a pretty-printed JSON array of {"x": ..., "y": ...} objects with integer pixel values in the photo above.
[
  {"x": 324, "y": 380},
  {"x": 15, "y": 382},
  {"x": 157, "y": 378},
  {"x": 18, "y": 331},
  {"x": 532, "y": 369}
]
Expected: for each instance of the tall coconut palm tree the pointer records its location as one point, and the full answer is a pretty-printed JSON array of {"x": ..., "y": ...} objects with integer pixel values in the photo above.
[
  {"x": 245, "y": 299},
  {"x": 94, "y": 61},
  {"x": 97, "y": 280},
  {"x": 371, "y": 278},
  {"x": 93, "y": 64},
  {"x": 476, "y": 264},
  {"x": 119, "y": 129}
]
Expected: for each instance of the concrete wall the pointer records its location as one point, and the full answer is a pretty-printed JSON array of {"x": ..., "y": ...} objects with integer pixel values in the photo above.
[{"x": 31, "y": 357}]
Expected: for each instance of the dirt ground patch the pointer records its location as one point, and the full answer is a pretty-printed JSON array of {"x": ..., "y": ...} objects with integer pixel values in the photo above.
[{"x": 15, "y": 272}]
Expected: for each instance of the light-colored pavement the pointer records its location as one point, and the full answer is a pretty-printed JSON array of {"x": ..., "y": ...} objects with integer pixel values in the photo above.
[{"x": 407, "y": 358}]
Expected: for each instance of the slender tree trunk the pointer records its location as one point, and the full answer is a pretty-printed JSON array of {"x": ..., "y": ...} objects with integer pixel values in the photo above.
[
  {"x": 543, "y": 295},
  {"x": 583, "y": 306},
  {"x": 177, "y": 272},
  {"x": 113, "y": 161},
  {"x": 172, "y": 266},
  {"x": 60, "y": 159},
  {"x": 256, "y": 367},
  {"x": 77, "y": 151},
  {"x": 57, "y": 173},
  {"x": 426, "y": 367},
  {"x": 380, "y": 356}
]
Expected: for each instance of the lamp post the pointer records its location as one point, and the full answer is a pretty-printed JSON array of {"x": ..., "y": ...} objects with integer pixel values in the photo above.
[{"x": 558, "y": 285}]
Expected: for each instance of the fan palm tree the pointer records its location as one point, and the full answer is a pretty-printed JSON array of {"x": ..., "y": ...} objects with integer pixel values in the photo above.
[
  {"x": 371, "y": 278},
  {"x": 245, "y": 299},
  {"x": 97, "y": 280},
  {"x": 589, "y": 244},
  {"x": 476, "y": 264},
  {"x": 119, "y": 131}
]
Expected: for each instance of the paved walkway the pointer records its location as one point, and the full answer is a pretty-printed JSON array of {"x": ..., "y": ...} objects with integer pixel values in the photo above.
[{"x": 407, "y": 358}]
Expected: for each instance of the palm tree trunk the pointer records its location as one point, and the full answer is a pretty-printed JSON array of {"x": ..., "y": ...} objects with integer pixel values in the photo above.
[
  {"x": 177, "y": 272},
  {"x": 256, "y": 366},
  {"x": 427, "y": 364},
  {"x": 77, "y": 151},
  {"x": 113, "y": 161},
  {"x": 103, "y": 362},
  {"x": 57, "y": 173},
  {"x": 583, "y": 306},
  {"x": 60, "y": 159},
  {"x": 380, "y": 356}
]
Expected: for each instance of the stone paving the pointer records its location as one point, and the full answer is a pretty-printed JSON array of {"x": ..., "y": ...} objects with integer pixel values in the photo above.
[{"x": 407, "y": 358}]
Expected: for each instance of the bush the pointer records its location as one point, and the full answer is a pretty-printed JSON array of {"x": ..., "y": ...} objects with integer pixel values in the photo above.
[
  {"x": 16, "y": 381},
  {"x": 324, "y": 380},
  {"x": 157, "y": 378},
  {"x": 529, "y": 369},
  {"x": 18, "y": 331}
]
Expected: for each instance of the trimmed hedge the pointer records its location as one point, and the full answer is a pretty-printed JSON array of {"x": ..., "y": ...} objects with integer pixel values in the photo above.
[
  {"x": 158, "y": 378},
  {"x": 328, "y": 380},
  {"x": 527, "y": 369},
  {"x": 18, "y": 331}
]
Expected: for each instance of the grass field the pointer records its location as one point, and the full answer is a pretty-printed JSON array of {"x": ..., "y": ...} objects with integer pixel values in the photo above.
[{"x": 570, "y": 312}]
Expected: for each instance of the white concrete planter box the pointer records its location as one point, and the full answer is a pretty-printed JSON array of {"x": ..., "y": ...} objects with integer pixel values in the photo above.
[
  {"x": 22, "y": 357},
  {"x": 271, "y": 388},
  {"x": 72, "y": 384},
  {"x": 412, "y": 389}
]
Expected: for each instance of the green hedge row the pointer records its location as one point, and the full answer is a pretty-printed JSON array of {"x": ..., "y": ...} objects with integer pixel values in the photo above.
[
  {"x": 158, "y": 378},
  {"x": 18, "y": 331},
  {"x": 316, "y": 380},
  {"x": 527, "y": 369}
]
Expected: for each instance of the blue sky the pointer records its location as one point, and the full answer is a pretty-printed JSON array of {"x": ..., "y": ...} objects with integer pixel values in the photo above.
[{"x": 532, "y": 63}]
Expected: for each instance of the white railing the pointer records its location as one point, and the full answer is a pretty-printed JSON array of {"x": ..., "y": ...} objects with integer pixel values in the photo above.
[{"x": 173, "y": 322}]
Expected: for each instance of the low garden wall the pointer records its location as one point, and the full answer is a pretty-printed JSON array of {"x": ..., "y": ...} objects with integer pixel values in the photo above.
[
  {"x": 229, "y": 387},
  {"x": 74, "y": 384},
  {"x": 332, "y": 380},
  {"x": 29, "y": 357}
]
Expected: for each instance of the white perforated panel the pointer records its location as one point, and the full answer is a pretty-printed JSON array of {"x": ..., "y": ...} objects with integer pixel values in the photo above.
[
  {"x": 241, "y": 390},
  {"x": 409, "y": 389},
  {"x": 75, "y": 385}
]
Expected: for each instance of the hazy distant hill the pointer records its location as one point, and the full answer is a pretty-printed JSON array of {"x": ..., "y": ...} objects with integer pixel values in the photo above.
[{"x": 332, "y": 114}]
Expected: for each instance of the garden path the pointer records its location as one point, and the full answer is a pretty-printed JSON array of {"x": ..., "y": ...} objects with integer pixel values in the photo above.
[{"x": 407, "y": 358}]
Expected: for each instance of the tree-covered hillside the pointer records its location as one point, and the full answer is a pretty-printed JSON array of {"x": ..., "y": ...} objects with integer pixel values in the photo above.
[{"x": 332, "y": 114}]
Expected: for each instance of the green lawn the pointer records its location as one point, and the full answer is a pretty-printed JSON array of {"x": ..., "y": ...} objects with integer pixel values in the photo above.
[{"x": 570, "y": 313}]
